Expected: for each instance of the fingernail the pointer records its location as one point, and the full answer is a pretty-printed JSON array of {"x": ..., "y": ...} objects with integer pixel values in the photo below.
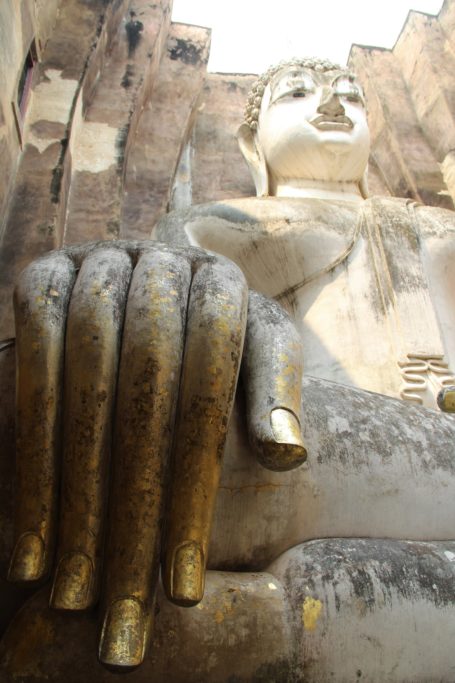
[
  {"x": 73, "y": 583},
  {"x": 188, "y": 573},
  {"x": 446, "y": 399},
  {"x": 27, "y": 562},
  {"x": 288, "y": 450},
  {"x": 285, "y": 427},
  {"x": 123, "y": 636}
]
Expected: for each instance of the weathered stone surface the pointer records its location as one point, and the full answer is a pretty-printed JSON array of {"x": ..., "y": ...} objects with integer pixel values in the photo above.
[
  {"x": 372, "y": 610},
  {"x": 400, "y": 152},
  {"x": 103, "y": 130},
  {"x": 218, "y": 170},
  {"x": 37, "y": 205},
  {"x": 18, "y": 26},
  {"x": 447, "y": 19},
  {"x": 410, "y": 96},
  {"x": 363, "y": 450},
  {"x": 239, "y": 633},
  {"x": 331, "y": 609},
  {"x": 163, "y": 130},
  {"x": 428, "y": 64}
]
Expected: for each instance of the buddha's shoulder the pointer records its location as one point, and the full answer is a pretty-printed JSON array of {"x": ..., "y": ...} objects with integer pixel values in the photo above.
[
  {"x": 429, "y": 221},
  {"x": 174, "y": 227},
  {"x": 251, "y": 211},
  {"x": 435, "y": 221}
]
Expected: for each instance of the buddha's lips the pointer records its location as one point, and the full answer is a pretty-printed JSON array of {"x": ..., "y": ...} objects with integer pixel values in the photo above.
[{"x": 325, "y": 122}]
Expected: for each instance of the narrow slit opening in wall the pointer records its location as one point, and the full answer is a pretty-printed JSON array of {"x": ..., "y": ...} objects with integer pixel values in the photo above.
[
  {"x": 25, "y": 81},
  {"x": 24, "y": 88}
]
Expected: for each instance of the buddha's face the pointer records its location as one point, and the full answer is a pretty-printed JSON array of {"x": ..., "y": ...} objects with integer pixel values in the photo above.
[{"x": 313, "y": 125}]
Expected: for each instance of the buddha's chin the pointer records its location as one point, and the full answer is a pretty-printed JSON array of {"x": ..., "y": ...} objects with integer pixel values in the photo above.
[{"x": 336, "y": 159}]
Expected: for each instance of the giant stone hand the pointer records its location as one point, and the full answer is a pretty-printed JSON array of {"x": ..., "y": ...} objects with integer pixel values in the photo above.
[{"x": 135, "y": 348}]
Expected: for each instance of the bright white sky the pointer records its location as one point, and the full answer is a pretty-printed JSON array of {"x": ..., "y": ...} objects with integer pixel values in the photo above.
[{"x": 250, "y": 35}]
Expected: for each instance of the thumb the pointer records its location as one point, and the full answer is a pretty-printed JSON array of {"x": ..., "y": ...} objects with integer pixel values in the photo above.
[{"x": 272, "y": 372}]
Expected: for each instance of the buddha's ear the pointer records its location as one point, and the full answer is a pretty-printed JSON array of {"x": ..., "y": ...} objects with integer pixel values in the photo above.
[{"x": 254, "y": 158}]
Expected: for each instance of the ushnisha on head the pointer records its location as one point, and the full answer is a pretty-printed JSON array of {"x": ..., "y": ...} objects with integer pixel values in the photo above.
[{"x": 305, "y": 126}]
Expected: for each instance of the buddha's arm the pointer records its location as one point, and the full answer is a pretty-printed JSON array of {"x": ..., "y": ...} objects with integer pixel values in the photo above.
[
  {"x": 436, "y": 229},
  {"x": 170, "y": 323}
]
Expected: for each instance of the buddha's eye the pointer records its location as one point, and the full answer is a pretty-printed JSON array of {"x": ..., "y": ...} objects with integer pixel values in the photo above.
[
  {"x": 348, "y": 90},
  {"x": 299, "y": 93}
]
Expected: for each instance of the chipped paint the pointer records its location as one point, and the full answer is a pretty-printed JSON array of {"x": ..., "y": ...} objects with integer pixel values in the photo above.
[
  {"x": 311, "y": 610},
  {"x": 338, "y": 425},
  {"x": 53, "y": 94},
  {"x": 95, "y": 150}
]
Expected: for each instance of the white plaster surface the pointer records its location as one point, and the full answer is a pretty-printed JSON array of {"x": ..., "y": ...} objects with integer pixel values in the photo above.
[
  {"x": 95, "y": 150},
  {"x": 52, "y": 100}
]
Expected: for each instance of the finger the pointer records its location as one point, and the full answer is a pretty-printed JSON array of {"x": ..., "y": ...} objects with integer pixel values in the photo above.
[
  {"x": 446, "y": 399},
  {"x": 272, "y": 370},
  {"x": 95, "y": 320},
  {"x": 147, "y": 395},
  {"x": 213, "y": 348},
  {"x": 40, "y": 302}
]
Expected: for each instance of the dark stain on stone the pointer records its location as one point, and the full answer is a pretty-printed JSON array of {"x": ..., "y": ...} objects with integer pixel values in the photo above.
[
  {"x": 127, "y": 79},
  {"x": 120, "y": 143},
  {"x": 48, "y": 129},
  {"x": 57, "y": 173},
  {"x": 99, "y": 28},
  {"x": 362, "y": 585},
  {"x": 364, "y": 440},
  {"x": 113, "y": 228},
  {"x": 133, "y": 29},
  {"x": 186, "y": 52},
  {"x": 281, "y": 671},
  {"x": 45, "y": 229},
  {"x": 378, "y": 571}
]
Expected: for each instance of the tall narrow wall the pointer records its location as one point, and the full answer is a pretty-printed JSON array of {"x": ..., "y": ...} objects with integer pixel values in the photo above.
[{"x": 410, "y": 91}]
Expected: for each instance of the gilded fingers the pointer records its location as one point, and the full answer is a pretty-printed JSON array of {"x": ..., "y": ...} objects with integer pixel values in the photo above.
[
  {"x": 40, "y": 302},
  {"x": 146, "y": 403},
  {"x": 180, "y": 354},
  {"x": 95, "y": 320},
  {"x": 213, "y": 348},
  {"x": 272, "y": 368}
]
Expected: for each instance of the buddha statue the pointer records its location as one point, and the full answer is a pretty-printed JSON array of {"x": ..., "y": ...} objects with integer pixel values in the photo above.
[{"x": 336, "y": 566}]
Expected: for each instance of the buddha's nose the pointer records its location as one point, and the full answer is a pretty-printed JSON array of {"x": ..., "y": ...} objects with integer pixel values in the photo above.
[{"x": 330, "y": 103}]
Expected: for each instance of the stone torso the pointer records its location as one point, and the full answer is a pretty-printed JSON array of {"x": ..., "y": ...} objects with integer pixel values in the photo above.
[
  {"x": 366, "y": 282},
  {"x": 363, "y": 324}
]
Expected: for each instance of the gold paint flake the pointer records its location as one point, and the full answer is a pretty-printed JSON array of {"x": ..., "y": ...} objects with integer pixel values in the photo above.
[{"x": 310, "y": 613}]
